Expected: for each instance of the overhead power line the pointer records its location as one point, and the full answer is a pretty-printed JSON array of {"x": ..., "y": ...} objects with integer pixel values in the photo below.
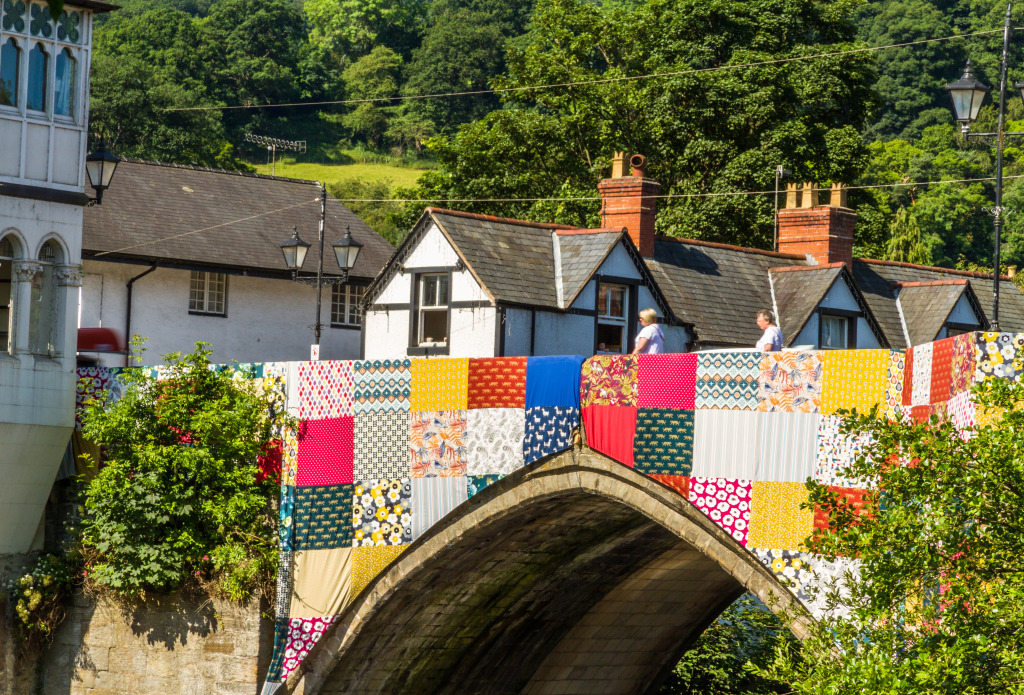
[{"x": 603, "y": 80}]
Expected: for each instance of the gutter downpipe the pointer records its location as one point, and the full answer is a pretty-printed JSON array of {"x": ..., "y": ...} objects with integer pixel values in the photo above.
[{"x": 128, "y": 314}]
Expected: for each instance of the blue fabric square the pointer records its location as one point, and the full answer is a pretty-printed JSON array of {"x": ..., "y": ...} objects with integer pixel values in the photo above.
[
  {"x": 548, "y": 431},
  {"x": 323, "y": 517},
  {"x": 553, "y": 381}
]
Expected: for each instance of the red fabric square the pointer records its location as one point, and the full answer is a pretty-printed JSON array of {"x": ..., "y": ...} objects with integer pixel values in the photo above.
[
  {"x": 908, "y": 377},
  {"x": 942, "y": 370},
  {"x": 497, "y": 382},
  {"x": 610, "y": 430},
  {"x": 325, "y": 452},
  {"x": 269, "y": 462},
  {"x": 667, "y": 381},
  {"x": 679, "y": 483},
  {"x": 920, "y": 413},
  {"x": 854, "y": 497}
]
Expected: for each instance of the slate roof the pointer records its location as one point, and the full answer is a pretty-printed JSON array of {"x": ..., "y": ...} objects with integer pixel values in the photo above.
[
  {"x": 717, "y": 287},
  {"x": 220, "y": 219},
  {"x": 926, "y": 306},
  {"x": 581, "y": 255},
  {"x": 798, "y": 291}
]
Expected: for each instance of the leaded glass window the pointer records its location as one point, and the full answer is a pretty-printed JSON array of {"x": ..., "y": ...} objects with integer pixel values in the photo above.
[
  {"x": 64, "y": 93},
  {"x": 38, "y": 67},
  {"x": 43, "y": 307},
  {"x": 40, "y": 24},
  {"x": 67, "y": 27},
  {"x": 10, "y": 68},
  {"x": 14, "y": 15}
]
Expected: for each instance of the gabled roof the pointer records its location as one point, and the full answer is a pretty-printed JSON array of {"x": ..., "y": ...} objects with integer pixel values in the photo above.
[
  {"x": 927, "y": 305},
  {"x": 798, "y": 292},
  {"x": 220, "y": 219},
  {"x": 580, "y": 256}
]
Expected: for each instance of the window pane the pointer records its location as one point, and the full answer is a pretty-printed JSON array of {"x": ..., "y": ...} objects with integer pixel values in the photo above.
[
  {"x": 833, "y": 332},
  {"x": 602, "y": 299},
  {"x": 10, "y": 67},
  {"x": 197, "y": 291},
  {"x": 41, "y": 311},
  {"x": 442, "y": 290},
  {"x": 429, "y": 291},
  {"x": 610, "y": 337},
  {"x": 434, "y": 326},
  {"x": 617, "y": 302},
  {"x": 355, "y": 313},
  {"x": 337, "y": 305},
  {"x": 37, "y": 68},
  {"x": 5, "y": 294},
  {"x": 216, "y": 291},
  {"x": 64, "y": 94}
]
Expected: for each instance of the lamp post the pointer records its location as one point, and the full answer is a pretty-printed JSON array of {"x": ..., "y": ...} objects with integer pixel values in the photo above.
[
  {"x": 100, "y": 167},
  {"x": 346, "y": 251},
  {"x": 968, "y": 94}
]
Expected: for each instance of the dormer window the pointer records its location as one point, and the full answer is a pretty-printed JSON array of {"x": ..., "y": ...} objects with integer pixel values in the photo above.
[
  {"x": 38, "y": 67},
  {"x": 835, "y": 332},
  {"x": 612, "y": 301},
  {"x": 64, "y": 89},
  {"x": 10, "y": 68}
]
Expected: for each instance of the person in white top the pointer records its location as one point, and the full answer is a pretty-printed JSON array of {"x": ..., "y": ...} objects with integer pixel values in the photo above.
[
  {"x": 771, "y": 340},
  {"x": 650, "y": 340}
]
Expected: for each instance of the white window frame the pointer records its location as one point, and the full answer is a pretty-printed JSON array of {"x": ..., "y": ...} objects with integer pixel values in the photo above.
[
  {"x": 606, "y": 318},
  {"x": 435, "y": 306},
  {"x": 845, "y": 320},
  {"x": 205, "y": 303},
  {"x": 345, "y": 309}
]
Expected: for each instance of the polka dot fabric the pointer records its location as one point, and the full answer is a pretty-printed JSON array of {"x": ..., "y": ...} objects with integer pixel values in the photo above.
[
  {"x": 325, "y": 452},
  {"x": 325, "y": 389},
  {"x": 726, "y": 502},
  {"x": 667, "y": 381}
]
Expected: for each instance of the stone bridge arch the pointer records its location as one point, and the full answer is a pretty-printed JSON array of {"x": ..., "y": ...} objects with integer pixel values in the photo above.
[{"x": 574, "y": 575}]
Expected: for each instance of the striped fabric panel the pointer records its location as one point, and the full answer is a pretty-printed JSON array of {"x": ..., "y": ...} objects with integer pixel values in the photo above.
[
  {"x": 787, "y": 443},
  {"x": 432, "y": 498},
  {"x": 725, "y": 444}
]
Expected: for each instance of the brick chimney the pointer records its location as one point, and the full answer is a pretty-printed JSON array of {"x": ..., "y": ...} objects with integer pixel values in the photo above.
[
  {"x": 823, "y": 232},
  {"x": 628, "y": 201}
]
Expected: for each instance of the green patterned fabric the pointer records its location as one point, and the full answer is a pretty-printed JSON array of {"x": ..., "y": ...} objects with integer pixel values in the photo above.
[
  {"x": 664, "y": 441},
  {"x": 323, "y": 517}
]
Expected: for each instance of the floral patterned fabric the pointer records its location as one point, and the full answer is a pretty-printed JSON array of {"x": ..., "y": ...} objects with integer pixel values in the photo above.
[
  {"x": 776, "y": 519},
  {"x": 793, "y": 569},
  {"x": 726, "y": 502},
  {"x": 303, "y": 634},
  {"x": 609, "y": 380},
  {"x": 476, "y": 483},
  {"x": 1000, "y": 355},
  {"x": 382, "y": 512},
  {"x": 439, "y": 385},
  {"x": 854, "y": 380},
  {"x": 494, "y": 440},
  {"x": 438, "y": 443},
  {"x": 962, "y": 369},
  {"x": 92, "y": 382},
  {"x": 835, "y": 452},
  {"x": 790, "y": 382}
]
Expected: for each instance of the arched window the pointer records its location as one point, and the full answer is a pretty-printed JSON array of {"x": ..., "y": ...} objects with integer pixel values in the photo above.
[
  {"x": 64, "y": 92},
  {"x": 10, "y": 68},
  {"x": 43, "y": 311},
  {"x": 38, "y": 69},
  {"x": 9, "y": 248}
]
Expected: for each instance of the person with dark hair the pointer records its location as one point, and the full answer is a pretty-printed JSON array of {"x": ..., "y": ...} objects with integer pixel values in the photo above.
[{"x": 771, "y": 339}]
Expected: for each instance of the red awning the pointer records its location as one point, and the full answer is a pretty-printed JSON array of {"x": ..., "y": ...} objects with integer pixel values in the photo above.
[{"x": 99, "y": 340}]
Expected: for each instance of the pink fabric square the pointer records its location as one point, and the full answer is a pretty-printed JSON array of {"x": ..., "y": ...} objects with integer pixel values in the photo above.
[
  {"x": 303, "y": 634},
  {"x": 325, "y": 452},
  {"x": 667, "y": 381},
  {"x": 726, "y": 502}
]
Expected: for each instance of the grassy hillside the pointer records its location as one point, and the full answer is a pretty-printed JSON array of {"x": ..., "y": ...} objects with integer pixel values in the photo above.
[{"x": 334, "y": 173}]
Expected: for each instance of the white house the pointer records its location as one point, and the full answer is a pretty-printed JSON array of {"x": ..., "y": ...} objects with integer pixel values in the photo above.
[
  {"x": 44, "y": 109},
  {"x": 178, "y": 254}
]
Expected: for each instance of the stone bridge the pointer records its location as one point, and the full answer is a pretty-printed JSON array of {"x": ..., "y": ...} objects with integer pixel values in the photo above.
[{"x": 575, "y": 575}]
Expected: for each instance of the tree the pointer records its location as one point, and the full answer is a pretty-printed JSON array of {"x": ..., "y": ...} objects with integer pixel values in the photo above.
[
  {"x": 905, "y": 243},
  {"x": 937, "y": 604},
  {"x": 180, "y": 493},
  {"x": 374, "y": 76},
  {"x": 349, "y": 29}
]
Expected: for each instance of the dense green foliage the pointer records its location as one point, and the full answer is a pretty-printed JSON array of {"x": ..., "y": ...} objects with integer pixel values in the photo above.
[
  {"x": 179, "y": 496},
  {"x": 937, "y": 607}
]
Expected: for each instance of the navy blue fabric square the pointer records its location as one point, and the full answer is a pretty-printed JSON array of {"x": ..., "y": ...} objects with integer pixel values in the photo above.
[
  {"x": 553, "y": 381},
  {"x": 323, "y": 517},
  {"x": 548, "y": 431}
]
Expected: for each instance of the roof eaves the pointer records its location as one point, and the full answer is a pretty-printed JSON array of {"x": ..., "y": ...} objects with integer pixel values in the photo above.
[
  {"x": 462, "y": 256},
  {"x": 393, "y": 264},
  {"x": 492, "y": 218},
  {"x": 934, "y": 269},
  {"x": 817, "y": 301},
  {"x": 604, "y": 257},
  {"x": 873, "y": 324}
]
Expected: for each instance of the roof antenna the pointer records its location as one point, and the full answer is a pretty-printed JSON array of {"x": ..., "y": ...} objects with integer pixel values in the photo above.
[{"x": 780, "y": 173}]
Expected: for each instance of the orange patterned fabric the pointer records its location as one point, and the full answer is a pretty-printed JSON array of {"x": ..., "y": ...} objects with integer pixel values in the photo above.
[
  {"x": 942, "y": 370},
  {"x": 854, "y": 498},
  {"x": 497, "y": 382},
  {"x": 679, "y": 483}
]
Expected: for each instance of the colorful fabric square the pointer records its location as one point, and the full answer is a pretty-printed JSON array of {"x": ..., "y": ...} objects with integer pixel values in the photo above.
[
  {"x": 548, "y": 430},
  {"x": 283, "y": 597},
  {"x": 476, "y": 483},
  {"x": 921, "y": 413},
  {"x": 321, "y": 582},
  {"x": 381, "y": 386},
  {"x": 726, "y": 502},
  {"x": 667, "y": 381},
  {"x": 553, "y": 381},
  {"x": 836, "y": 452},
  {"x": 276, "y": 668},
  {"x": 432, "y": 498},
  {"x": 1000, "y": 355},
  {"x": 325, "y": 389},
  {"x": 724, "y": 444},
  {"x": 439, "y": 384},
  {"x": 382, "y": 445},
  {"x": 382, "y": 512},
  {"x": 497, "y": 382},
  {"x": 727, "y": 380},
  {"x": 269, "y": 462},
  {"x": 793, "y": 569},
  {"x": 286, "y": 527},
  {"x": 942, "y": 370},
  {"x": 679, "y": 483},
  {"x": 611, "y": 429},
  {"x": 854, "y": 497},
  {"x": 274, "y": 388},
  {"x": 369, "y": 561},
  {"x": 962, "y": 411},
  {"x": 854, "y": 380},
  {"x": 786, "y": 445},
  {"x": 289, "y": 456},
  {"x": 303, "y": 634},
  {"x": 92, "y": 383},
  {"x": 894, "y": 384},
  {"x": 664, "y": 441},
  {"x": 790, "y": 382},
  {"x": 776, "y": 519},
  {"x": 323, "y": 517},
  {"x": 610, "y": 380},
  {"x": 494, "y": 441},
  {"x": 325, "y": 452},
  {"x": 438, "y": 443},
  {"x": 962, "y": 370},
  {"x": 922, "y": 385}
]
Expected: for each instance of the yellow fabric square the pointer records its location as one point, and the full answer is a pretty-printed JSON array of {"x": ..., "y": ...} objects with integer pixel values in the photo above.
[
  {"x": 776, "y": 520},
  {"x": 321, "y": 582},
  {"x": 854, "y": 379},
  {"x": 369, "y": 561},
  {"x": 439, "y": 384}
]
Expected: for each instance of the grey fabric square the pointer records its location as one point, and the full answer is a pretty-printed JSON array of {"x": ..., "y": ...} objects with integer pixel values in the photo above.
[{"x": 381, "y": 445}]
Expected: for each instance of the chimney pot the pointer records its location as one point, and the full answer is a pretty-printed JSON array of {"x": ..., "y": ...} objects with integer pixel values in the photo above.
[
  {"x": 837, "y": 196},
  {"x": 791, "y": 191},
  {"x": 823, "y": 233},
  {"x": 638, "y": 163},
  {"x": 630, "y": 202},
  {"x": 619, "y": 165},
  {"x": 809, "y": 199}
]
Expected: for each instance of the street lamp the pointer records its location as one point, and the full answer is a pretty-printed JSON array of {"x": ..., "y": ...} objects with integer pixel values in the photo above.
[
  {"x": 346, "y": 251},
  {"x": 968, "y": 94},
  {"x": 100, "y": 166}
]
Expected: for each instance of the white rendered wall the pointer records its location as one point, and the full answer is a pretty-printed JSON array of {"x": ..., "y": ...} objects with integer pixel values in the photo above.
[
  {"x": 963, "y": 313},
  {"x": 837, "y": 297},
  {"x": 267, "y": 319},
  {"x": 619, "y": 263},
  {"x": 387, "y": 334}
]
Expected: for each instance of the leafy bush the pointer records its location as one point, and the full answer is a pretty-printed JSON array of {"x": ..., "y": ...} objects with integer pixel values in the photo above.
[{"x": 180, "y": 496}]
